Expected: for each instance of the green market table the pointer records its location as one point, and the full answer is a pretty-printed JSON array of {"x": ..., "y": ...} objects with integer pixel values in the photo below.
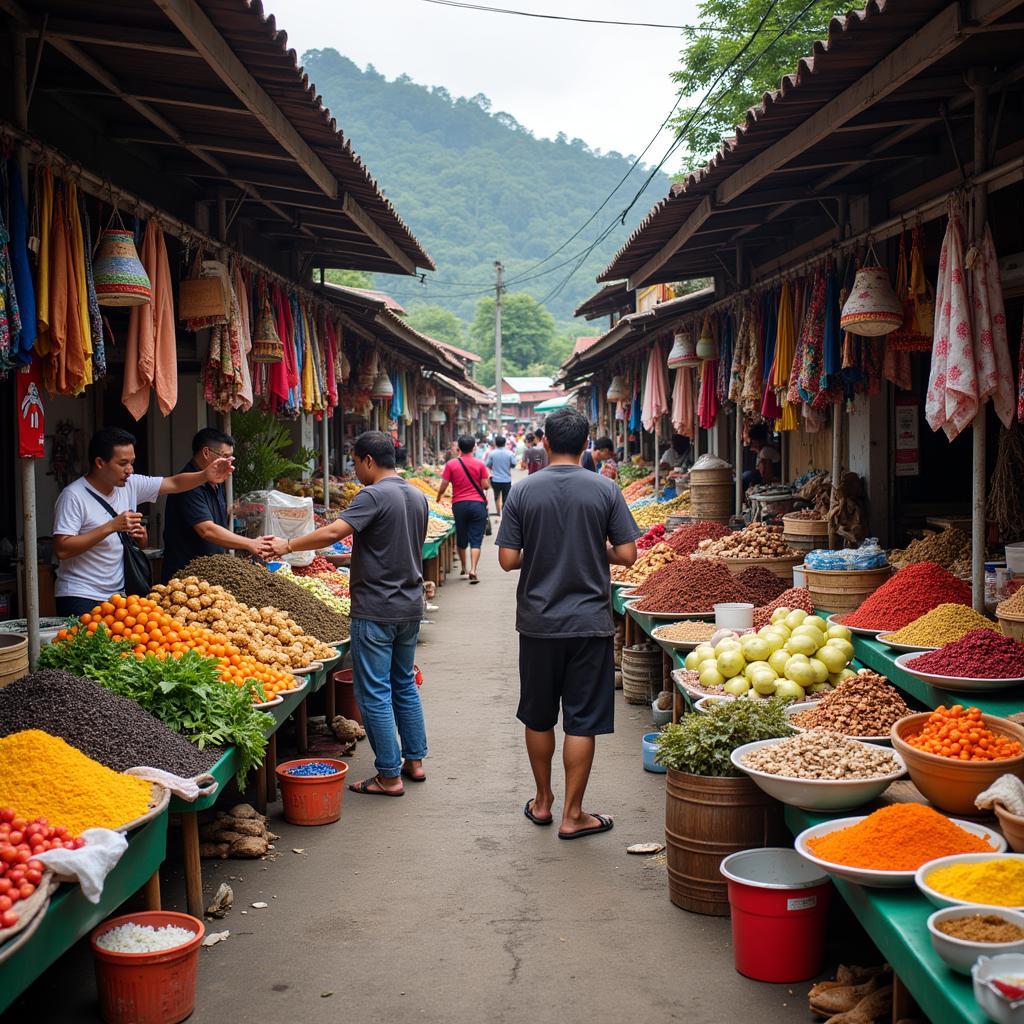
[
  {"x": 70, "y": 915},
  {"x": 438, "y": 556}
]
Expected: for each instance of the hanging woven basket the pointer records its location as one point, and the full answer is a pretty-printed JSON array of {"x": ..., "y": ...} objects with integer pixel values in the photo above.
[
  {"x": 872, "y": 308},
  {"x": 707, "y": 347},
  {"x": 617, "y": 390},
  {"x": 439, "y": 416},
  {"x": 382, "y": 387},
  {"x": 118, "y": 273},
  {"x": 266, "y": 344},
  {"x": 684, "y": 352}
]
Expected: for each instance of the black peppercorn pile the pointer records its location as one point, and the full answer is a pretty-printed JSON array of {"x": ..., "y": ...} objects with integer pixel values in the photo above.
[
  {"x": 259, "y": 587},
  {"x": 110, "y": 729}
]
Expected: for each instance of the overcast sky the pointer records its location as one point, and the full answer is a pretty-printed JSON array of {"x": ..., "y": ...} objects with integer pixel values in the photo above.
[{"x": 607, "y": 85}]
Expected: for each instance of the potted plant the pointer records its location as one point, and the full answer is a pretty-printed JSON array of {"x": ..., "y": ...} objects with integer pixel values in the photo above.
[{"x": 711, "y": 808}]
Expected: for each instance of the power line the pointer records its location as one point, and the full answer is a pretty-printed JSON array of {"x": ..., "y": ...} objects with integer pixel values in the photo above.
[{"x": 562, "y": 17}]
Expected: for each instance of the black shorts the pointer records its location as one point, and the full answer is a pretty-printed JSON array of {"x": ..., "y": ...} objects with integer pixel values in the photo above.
[
  {"x": 470, "y": 523},
  {"x": 501, "y": 490},
  {"x": 576, "y": 672}
]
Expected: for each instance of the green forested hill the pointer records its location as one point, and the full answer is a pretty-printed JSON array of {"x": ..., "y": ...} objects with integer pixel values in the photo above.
[{"x": 475, "y": 185}]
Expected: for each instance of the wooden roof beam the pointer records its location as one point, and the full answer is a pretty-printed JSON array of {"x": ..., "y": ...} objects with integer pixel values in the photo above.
[
  {"x": 111, "y": 35},
  {"x": 191, "y": 21},
  {"x": 205, "y": 143},
  {"x": 924, "y": 48},
  {"x": 173, "y": 96}
]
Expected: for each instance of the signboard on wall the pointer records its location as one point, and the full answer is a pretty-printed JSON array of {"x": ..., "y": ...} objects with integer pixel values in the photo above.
[{"x": 908, "y": 449}]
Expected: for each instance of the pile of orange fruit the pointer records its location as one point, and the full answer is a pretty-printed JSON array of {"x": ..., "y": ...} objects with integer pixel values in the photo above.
[
  {"x": 148, "y": 629},
  {"x": 960, "y": 733}
]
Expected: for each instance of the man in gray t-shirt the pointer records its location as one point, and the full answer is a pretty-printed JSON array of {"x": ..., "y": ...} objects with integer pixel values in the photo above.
[
  {"x": 562, "y": 528},
  {"x": 389, "y": 520}
]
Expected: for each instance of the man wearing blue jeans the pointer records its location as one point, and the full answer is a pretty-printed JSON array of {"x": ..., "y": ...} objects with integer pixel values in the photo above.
[{"x": 389, "y": 520}]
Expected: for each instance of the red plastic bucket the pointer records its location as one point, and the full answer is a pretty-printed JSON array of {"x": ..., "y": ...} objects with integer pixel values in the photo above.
[
  {"x": 345, "y": 695},
  {"x": 148, "y": 988},
  {"x": 312, "y": 799},
  {"x": 779, "y": 905}
]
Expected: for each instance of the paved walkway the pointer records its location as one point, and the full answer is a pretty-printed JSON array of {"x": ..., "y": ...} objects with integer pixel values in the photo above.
[{"x": 447, "y": 906}]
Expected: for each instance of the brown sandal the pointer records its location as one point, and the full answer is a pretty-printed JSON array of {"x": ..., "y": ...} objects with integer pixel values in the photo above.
[{"x": 364, "y": 787}]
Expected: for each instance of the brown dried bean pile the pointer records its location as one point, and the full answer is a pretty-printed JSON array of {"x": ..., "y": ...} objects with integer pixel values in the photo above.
[
  {"x": 257, "y": 586},
  {"x": 686, "y": 586},
  {"x": 865, "y": 705},
  {"x": 796, "y": 597},
  {"x": 763, "y": 584},
  {"x": 684, "y": 539},
  {"x": 819, "y": 754}
]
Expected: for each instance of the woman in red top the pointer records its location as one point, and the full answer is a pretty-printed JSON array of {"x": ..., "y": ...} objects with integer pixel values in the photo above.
[{"x": 469, "y": 482}]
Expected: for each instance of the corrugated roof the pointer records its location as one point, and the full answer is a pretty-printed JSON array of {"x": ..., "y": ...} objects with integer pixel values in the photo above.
[
  {"x": 612, "y": 298},
  {"x": 529, "y": 384},
  {"x": 582, "y": 344},
  {"x": 460, "y": 352}
]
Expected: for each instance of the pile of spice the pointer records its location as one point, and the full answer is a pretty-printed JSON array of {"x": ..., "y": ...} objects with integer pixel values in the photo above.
[
  {"x": 981, "y": 928},
  {"x": 942, "y": 625},
  {"x": 110, "y": 729},
  {"x": 143, "y": 938},
  {"x": 793, "y": 599},
  {"x": 685, "y": 539},
  {"x": 754, "y": 541},
  {"x": 689, "y": 587},
  {"x": 862, "y": 705},
  {"x": 820, "y": 754},
  {"x": 998, "y": 882},
  {"x": 980, "y": 654},
  {"x": 41, "y": 776},
  {"x": 899, "y": 837},
  {"x": 256, "y": 586},
  {"x": 961, "y": 733},
  {"x": 907, "y": 596},
  {"x": 762, "y": 584},
  {"x": 686, "y": 632},
  {"x": 658, "y": 557},
  {"x": 949, "y": 548}
]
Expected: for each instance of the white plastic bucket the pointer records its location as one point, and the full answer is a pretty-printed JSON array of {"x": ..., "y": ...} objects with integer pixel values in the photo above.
[
  {"x": 1015, "y": 558},
  {"x": 734, "y": 616},
  {"x": 799, "y": 576}
]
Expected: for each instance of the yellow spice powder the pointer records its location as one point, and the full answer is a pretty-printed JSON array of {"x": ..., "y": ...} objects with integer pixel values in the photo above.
[
  {"x": 42, "y": 776},
  {"x": 942, "y": 625},
  {"x": 997, "y": 882}
]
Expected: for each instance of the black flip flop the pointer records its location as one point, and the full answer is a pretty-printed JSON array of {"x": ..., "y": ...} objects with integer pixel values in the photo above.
[
  {"x": 363, "y": 787},
  {"x": 606, "y": 826},
  {"x": 473, "y": 578},
  {"x": 533, "y": 817}
]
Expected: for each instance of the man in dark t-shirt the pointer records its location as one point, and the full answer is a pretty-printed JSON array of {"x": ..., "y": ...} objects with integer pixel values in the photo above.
[
  {"x": 389, "y": 520},
  {"x": 562, "y": 528}
]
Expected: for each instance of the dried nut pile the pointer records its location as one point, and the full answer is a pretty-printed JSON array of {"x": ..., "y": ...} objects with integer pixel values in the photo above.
[
  {"x": 805, "y": 515},
  {"x": 762, "y": 584},
  {"x": 864, "y": 705},
  {"x": 820, "y": 754},
  {"x": 756, "y": 541},
  {"x": 1013, "y": 605},
  {"x": 658, "y": 512},
  {"x": 686, "y": 632},
  {"x": 942, "y": 625},
  {"x": 949, "y": 548},
  {"x": 690, "y": 587},
  {"x": 267, "y": 634},
  {"x": 257, "y": 586},
  {"x": 658, "y": 556}
]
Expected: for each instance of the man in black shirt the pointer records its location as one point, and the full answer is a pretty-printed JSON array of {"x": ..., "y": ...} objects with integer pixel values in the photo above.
[{"x": 196, "y": 521}]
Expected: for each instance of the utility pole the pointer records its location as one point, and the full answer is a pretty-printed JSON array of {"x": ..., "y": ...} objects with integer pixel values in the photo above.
[{"x": 499, "y": 287}]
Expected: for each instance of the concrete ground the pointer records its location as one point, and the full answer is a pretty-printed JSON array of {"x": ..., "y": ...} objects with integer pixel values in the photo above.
[{"x": 448, "y": 906}]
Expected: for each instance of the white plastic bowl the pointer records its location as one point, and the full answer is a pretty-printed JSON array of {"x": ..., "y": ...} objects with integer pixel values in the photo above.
[
  {"x": 961, "y": 954},
  {"x": 705, "y": 703},
  {"x": 806, "y": 705},
  {"x": 996, "y": 1005},
  {"x": 941, "y": 899},
  {"x": 871, "y": 877},
  {"x": 816, "y": 794}
]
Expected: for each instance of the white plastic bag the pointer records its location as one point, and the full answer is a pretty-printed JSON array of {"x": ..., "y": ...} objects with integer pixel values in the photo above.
[
  {"x": 289, "y": 517},
  {"x": 90, "y": 864}
]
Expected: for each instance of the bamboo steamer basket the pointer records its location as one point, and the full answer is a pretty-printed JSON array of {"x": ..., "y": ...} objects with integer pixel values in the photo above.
[
  {"x": 1011, "y": 625},
  {"x": 782, "y": 567},
  {"x": 712, "y": 494},
  {"x": 13, "y": 657},
  {"x": 805, "y": 534},
  {"x": 843, "y": 590}
]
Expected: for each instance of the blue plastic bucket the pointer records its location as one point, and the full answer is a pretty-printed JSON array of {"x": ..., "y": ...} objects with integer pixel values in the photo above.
[{"x": 650, "y": 748}]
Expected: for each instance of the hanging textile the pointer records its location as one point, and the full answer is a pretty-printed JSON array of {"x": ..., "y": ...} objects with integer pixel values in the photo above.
[
  {"x": 151, "y": 359},
  {"x": 21, "y": 270},
  {"x": 44, "y": 213},
  {"x": 99, "y": 354},
  {"x": 769, "y": 408},
  {"x": 991, "y": 347},
  {"x": 635, "y": 412},
  {"x": 1020, "y": 378},
  {"x": 10, "y": 315},
  {"x": 785, "y": 352},
  {"x": 707, "y": 402},
  {"x": 278, "y": 374},
  {"x": 656, "y": 389},
  {"x": 726, "y": 342},
  {"x": 684, "y": 418},
  {"x": 64, "y": 371},
  {"x": 395, "y": 409},
  {"x": 222, "y": 374},
  {"x": 78, "y": 258},
  {"x": 740, "y": 354},
  {"x": 914, "y": 293},
  {"x": 245, "y": 393},
  {"x": 952, "y": 400}
]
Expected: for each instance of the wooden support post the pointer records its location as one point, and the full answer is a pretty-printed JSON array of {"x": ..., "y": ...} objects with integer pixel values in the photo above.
[
  {"x": 271, "y": 760},
  {"x": 259, "y": 787},
  {"x": 301, "y": 727},
  {"x": 193, "y": 865},
  {"x": 330, "y": 698},
  {"x": 151, "y": 892}
]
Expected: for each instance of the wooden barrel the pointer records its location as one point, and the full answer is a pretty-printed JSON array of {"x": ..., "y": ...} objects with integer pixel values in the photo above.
[
  {"x": 843, "y": 591},
  {"x": 1011, "y": 625},
  {"x": 706, "y": 819},
  {"x": 782, "y": 567},
  {"x": 13, "y": 657},
  {"x": 641, "y": 673},
  {"x": 712, "y": 494},
  {"x": 805, "y": 534}
]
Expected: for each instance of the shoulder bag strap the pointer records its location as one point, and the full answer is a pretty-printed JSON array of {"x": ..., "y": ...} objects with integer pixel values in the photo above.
[
  {"x": 113, "y": 515},
  {"x": 469, "y": 477}
]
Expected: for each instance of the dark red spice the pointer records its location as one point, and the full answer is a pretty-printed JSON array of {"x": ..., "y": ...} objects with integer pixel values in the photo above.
[
  {"x": 796, "y": 597},
  {"x": 685, "y": 586},
  {"x": 653, "y": 536},
  {"x": 914, "y": 590},
  {"x": 762, "y": 584},
  {"x": 980, "y": 654},
  {"x": 684, "y": 539}
]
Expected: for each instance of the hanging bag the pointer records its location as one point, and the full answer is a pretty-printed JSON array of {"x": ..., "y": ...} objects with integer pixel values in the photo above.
[
  {"x": 138, "y": 574},
  {"x": 203, "y": 295}
]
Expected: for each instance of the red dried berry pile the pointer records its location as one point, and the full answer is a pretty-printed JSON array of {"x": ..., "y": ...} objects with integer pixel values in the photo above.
[
  {"x": 980, "y": 654},
  {"x": 762, "y": 584},
  {"x": 684, "y": 539},
  {"x": 653, "y": 536},
  {"x": 685, "y": 586},
  {"x": 906, "y": 596},
  {"x": 796, "y": 597}
]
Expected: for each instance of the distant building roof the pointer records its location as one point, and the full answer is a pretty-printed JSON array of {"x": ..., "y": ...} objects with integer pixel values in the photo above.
[
  {"x": 372, "y": 293},
  {"x": 582, "y": 344},
  {"x": 526, "y": 384},
  {"x": 460, "y": 352}
]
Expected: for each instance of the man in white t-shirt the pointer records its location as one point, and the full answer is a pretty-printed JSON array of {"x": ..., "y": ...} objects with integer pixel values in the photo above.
[{"x": 85, "y": 536}]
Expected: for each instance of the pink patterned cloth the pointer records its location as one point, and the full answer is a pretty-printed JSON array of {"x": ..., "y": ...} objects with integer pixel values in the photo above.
[
  {"x": 655, "y": 403},
  {"x": 952, "y": 400},
  {"x": 991, "y": 349},
  {"x": 684, "y": 416}
]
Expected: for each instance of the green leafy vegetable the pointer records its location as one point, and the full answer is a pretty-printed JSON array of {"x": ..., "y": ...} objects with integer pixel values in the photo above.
[
  {"x": 186, "y": 693},
  {"x": 700, "y": 744}
]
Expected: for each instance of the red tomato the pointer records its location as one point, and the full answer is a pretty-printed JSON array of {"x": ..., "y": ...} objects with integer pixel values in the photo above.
[
  {"x": 16, "y": 838},
  {"x": 26, "y": 889},
  {"x": 23, "y": 855},
  {"x": 8, "y": 854},
  {"x": 16, "y": 877},
  {"x": 79, "y": 842},
  {"x": 6, "y": 814},
  {"x": 5, "y": 903},
  {"x": 34, "y": 876},
  {"x": 5, "y": 886},
  {"x": 18, "y": 823},
  {"x": 8, "y": 919}
]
